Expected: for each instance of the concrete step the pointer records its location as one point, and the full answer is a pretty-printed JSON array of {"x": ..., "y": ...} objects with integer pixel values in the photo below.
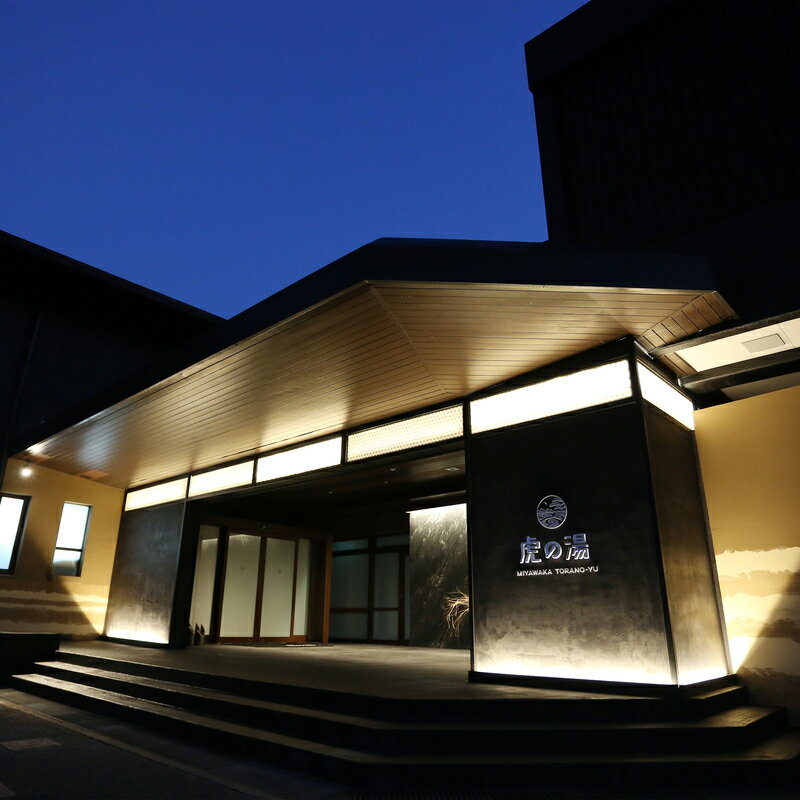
[
  {"x": 737, "y": 727},
  {"x": 694, "y": 704},
  {"x": 775, "y": 758}
]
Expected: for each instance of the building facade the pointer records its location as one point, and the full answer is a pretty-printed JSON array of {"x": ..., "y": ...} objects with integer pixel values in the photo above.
[{"x": 573, "y": 459}]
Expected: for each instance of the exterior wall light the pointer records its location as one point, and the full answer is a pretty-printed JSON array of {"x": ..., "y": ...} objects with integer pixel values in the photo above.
[{"x": 141, "y": 633}]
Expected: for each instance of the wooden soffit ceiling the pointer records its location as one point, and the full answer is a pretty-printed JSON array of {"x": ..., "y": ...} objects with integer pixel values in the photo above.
[{"x": 377, "y": 349}]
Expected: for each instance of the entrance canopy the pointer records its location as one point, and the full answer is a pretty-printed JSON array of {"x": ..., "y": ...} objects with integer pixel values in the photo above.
[{"x": 394, "y": 327}]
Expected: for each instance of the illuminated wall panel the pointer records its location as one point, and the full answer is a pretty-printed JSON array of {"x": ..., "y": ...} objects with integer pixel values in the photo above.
[
  {"x": 439, "y": 582},
  {"x": 666, "y": 397},
  {"x": 300, "y": 459},
  {"x": 218, "y": 479},
  {"x": 154, "y": 495},
  {"x": 590, "y": 387},
  {"x": 437, "y": 426},
  {"x": 140, "y": 604}
]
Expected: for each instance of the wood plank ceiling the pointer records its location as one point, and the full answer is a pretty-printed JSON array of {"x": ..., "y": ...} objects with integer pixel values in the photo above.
[{"x": 377, "y": 349}]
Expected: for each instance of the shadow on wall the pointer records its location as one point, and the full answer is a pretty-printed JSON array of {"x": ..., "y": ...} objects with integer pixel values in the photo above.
[
  {"x": 761, "y": 597},
  {"x": 34, "y": 600},
  {"x": 49, "y": 605}
]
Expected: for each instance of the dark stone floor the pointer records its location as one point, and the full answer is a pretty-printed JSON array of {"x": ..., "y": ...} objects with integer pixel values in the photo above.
[{"x": 382, "y": 670}]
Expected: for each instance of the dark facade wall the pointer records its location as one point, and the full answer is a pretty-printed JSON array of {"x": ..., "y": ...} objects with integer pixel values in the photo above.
[
  {"x": 694, "y": 610},
  {"x": 604, "y": 617},
  {"x": 70, "y": 331},
  {"x": 17, "y": 326},
  {"x": 438, "y": 545},
  {"x": 146, "y": 575},
  {"x": 678, "y": 135}
]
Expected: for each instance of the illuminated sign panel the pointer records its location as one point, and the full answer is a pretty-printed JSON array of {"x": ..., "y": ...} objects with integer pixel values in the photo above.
[{"x": 551, "y": 514}]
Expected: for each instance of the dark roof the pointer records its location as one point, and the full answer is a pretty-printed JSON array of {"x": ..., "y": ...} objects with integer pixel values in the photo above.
[
  {"x": 583, "y": 32},
  {"x": 44, "y": 267}
]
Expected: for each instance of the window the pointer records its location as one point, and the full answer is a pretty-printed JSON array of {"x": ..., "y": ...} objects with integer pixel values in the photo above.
[
  {"x": 71, "y": 535},
  {"x": 13, "y": 511}
]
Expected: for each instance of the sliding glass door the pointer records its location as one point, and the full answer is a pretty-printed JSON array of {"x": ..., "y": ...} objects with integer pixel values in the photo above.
[
  {"x": 264, "y": 589},
  {"x": 369, "y": 590}
]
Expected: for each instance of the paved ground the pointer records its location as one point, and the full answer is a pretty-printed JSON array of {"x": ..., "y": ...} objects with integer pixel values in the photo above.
[{"x": 50, "y": 751}]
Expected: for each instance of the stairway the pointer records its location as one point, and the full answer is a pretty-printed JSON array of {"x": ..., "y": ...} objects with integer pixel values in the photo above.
[{"x": 710, "y": 736}]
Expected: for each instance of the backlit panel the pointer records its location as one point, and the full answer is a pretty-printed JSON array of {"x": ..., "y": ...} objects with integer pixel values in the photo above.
[
  {"x": 153, "y": 495},
  {"x": 437, "y": 426},
  {"x": 223, "y": 478},
  {"x": 590, "y": 387},
  {"x": 664, "y": 396},
  {"x": 300, "y": 459}
]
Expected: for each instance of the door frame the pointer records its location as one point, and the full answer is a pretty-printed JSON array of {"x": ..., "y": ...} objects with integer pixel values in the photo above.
[
  {"x": 256, "y": 638},
  {"x": 317, "y": 622},
  {"x": 373, "y": 550}
]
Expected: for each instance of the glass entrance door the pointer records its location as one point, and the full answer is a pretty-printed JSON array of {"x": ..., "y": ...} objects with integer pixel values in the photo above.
[
  {"x": 265, "y": 588},
  {"x": 370, "y": 590}
]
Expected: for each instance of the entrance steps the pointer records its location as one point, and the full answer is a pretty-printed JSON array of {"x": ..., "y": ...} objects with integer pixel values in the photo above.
[{"x": 709, "y": 736}]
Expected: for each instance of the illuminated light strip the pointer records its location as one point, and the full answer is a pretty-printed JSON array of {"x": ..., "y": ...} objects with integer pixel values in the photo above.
[
  {"x": 437, "y": 509},
  {"x": 436, "y": 426},
  {"x": 153, "y": 495},
  {"x": 301, "y": 459},
  {"x": 137, "y": 635},
  {"x": 686, "y": 677},
  {"x": 222, "y": 478},
  {"x": 590, "y": 387},
  {"x": 665, "y": 396},
  {"x": 530, "y": 667}
]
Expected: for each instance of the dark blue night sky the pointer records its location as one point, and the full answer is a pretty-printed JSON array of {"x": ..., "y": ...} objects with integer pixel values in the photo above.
[{"x": 218, "y": 151}]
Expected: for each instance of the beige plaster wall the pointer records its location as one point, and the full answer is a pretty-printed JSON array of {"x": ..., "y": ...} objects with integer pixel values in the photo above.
[
  {"x": 32, "y": 599},
  {"x": 750, "y": 459}
]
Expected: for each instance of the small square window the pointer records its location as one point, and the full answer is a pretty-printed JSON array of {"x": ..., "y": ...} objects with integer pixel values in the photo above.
[
  {"x": 13, "y": 512},
  {"x": 68, "y": 556}
]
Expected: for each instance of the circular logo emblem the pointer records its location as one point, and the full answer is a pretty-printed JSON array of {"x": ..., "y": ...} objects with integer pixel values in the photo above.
[{"x": 551, "y": 512}]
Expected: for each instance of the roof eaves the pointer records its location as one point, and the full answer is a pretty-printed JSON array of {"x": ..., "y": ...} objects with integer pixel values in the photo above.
[{"x": 413, "y": 260}]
